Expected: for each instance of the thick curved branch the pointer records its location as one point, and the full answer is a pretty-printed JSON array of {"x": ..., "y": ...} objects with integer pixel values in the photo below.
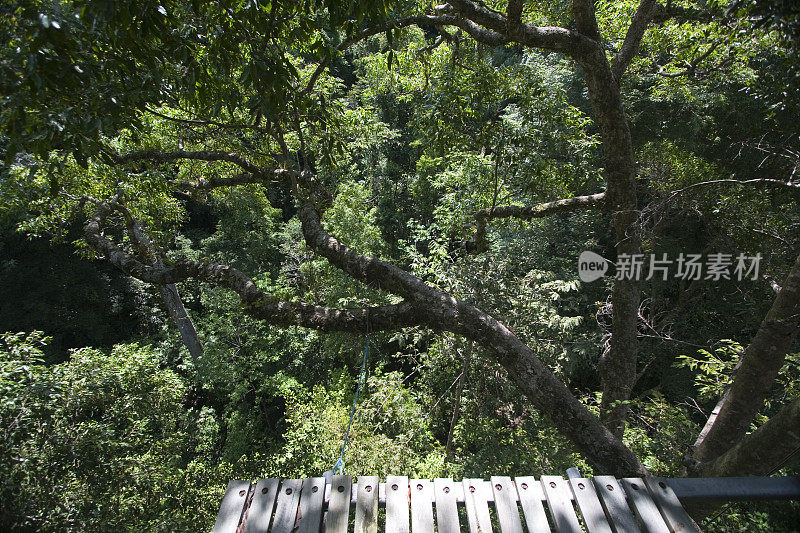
[
  {"x": 553, "y": 38},
  {"x": 371, "y": 271},
  {"x": 533, "y": 377},
  {"x": 641, "y": 19},
  {"x": 257, "y": 303}
]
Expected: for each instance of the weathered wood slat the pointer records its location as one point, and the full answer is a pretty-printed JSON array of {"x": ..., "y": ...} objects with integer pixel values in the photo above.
[
  {"x": 559, "y": 501},
  {"x": 230, "y": 510},
  {"x": 311, "y": 499},
  {"x": 531, "y": 496},
  {"x": 675, "y": 516},
  {"x": 612, "y": 497},
  {"x": 286, "y": 508},
  {"x": 367, "y": 505},
  {"x": 505, "y": 501},
  {"x": 606, "y": 505},
  {"x": 646, "y": 510},
  {"x": 446, "y": 507},
  {"x": 397, "y": 497},
  {"x": 476, "y": 501},
  {"x": 421, "y": 506},
  {"x": 339, "y": 505},
  {"x": 260, "y": 512},
  {"x": 589, "y": 504}
]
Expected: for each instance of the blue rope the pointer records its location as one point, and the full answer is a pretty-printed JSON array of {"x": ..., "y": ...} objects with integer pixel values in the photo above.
[{"x": 338, "y": 468}]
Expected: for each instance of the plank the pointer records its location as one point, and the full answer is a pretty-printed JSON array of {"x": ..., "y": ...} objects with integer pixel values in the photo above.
[
  {"x": 612, "y": 497},
  {"x": 311, "y": 500},
  {"x": 559, "y": 501},
  {"x": 646, "y": 510},
  {"x": 476, "y": 496},
  {"x": 505, "y": 501},
  {"x": 230, "y": 510},
  {"x": 675, "y": 516},
  {"x": 589, "y": 504},
  {"x": 339, "y": 504},
  {"x": 397, "y": 504},
  {"x": 446, "y": 511},
  {"x": 421, "y": 506},
  {"x": 286, "y": 507},
  {"x": 367, "y": 505},
  {"x": 531, "y": 496},
  {"x": 260, "y": 512}
]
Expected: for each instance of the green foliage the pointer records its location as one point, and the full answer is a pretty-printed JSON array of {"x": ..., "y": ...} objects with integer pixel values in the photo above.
[
  {"x": 390, "y": 432},
  {"x": 410, "y": 131},
  {"x": 714, "y": 371},
  {"x": 100, "y": 441}
]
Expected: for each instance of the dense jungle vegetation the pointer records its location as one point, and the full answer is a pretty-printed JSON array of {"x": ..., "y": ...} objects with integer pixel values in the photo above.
[{"x": 209, "y": 210}]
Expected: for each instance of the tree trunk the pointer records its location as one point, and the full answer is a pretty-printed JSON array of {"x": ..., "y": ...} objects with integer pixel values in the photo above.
[
  {"x": 183, "y": 321},
  {"x": 756, "y": 373},
  {"x": 618, "y": 368}
]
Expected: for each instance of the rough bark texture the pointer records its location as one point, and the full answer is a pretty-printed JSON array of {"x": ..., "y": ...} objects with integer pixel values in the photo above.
[
  {"x": 756, "y": 372},
  {"x": 764, "y": 450},
  {"x": 169, "y": 293},
  {"x": 618, "y": 368}
]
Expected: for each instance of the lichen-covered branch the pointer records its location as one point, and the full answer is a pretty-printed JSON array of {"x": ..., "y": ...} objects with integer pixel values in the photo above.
[
  {"x": 257, "y": 303},
  {"x": 564, "y": 205}
]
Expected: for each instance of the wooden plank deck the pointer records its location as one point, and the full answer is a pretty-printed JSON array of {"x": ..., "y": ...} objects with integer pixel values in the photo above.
[{"x": 601, "y": 504}]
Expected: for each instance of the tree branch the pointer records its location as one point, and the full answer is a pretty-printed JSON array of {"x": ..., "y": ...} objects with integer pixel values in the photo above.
[
  {"x": 202, "y": 155},
  {"x": 662, "y": 13},
  {"x": 554, "y": 38},
  {"x": 763, "y": 451},
  {"x": 514, "y": 12},
  {"x": 533, "y": 377},
  {"x": 256, "y": 303},
  {"x": 585, "y": 18},
  {"x": 755, "y": 374},
  {"x": 641, "y": 19},
  {"x": 594, "y": 201}
]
